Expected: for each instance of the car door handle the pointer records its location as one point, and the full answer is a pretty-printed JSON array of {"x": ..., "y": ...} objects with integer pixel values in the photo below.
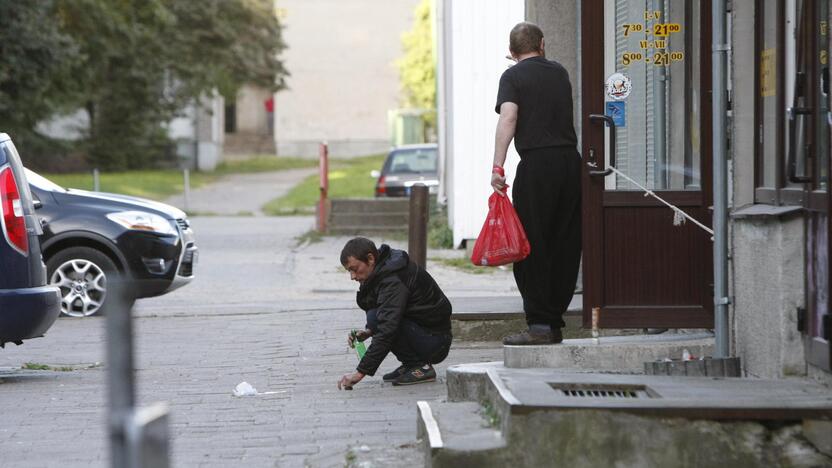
[{"x": 595, "y": 118}]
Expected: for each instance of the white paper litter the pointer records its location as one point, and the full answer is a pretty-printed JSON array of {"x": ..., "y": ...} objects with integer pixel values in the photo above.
[{"x": 244, "y": 389}]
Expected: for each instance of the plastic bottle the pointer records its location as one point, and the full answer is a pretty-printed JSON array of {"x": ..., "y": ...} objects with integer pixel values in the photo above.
[{"x": 360, "y": 347}]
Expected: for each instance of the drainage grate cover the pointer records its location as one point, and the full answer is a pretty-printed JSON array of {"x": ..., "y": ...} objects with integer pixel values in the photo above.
[{"x": 604, "y": 391}]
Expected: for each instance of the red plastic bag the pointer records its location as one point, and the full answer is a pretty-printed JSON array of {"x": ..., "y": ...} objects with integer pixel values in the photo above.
[{"x": 502, "y": 239}]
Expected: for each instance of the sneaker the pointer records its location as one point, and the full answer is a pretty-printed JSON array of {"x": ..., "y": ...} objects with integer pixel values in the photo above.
[
  {"x": 416, "y": 375},
  {"x": 528, "y": 338},
  {"x": 391, "y": 376}
]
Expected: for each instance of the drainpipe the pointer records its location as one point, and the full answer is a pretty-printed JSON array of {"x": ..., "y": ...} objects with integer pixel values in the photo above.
[
  {"x": 659, "y": 119},
  {"x": 720, "y": 222}
]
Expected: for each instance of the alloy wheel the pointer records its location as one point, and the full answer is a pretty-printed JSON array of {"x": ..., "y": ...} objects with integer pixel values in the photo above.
[{"x": 83, "y": 287}]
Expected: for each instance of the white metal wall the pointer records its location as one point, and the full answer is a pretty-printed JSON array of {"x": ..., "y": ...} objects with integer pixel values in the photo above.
[{"x": 474, "y": 45}]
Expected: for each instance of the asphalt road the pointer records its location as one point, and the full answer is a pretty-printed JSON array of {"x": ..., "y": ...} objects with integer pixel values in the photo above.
[{"x": 262, "y": 309}]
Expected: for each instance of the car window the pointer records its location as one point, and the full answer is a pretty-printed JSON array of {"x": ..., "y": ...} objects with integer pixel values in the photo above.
[
  {"x": 412, "y": 161},
  {"x": 42, "y": 182}
]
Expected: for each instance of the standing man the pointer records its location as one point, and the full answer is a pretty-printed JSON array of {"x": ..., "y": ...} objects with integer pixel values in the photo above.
[
  {"x": 407, "y": 314},
  {"x": 535, "y": 106}
]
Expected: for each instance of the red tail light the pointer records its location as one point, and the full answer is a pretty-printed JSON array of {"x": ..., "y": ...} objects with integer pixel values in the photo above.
[
  {"x": 381, "y": 188},
  {"x": 11, "y": 206}
]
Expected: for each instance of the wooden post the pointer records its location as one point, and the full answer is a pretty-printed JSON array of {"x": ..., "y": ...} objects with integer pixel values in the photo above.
[
  {"x": 323, "y": 169},
  {"x": 417, "y": 238}
]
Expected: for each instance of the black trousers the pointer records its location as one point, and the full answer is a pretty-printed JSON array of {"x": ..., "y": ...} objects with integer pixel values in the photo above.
[
  {"x": 547, "y": 197},
  {"x": 414, "y": 345}
]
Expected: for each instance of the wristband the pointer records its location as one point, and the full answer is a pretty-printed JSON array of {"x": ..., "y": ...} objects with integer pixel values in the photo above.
[{"x": 498, "y": 170}]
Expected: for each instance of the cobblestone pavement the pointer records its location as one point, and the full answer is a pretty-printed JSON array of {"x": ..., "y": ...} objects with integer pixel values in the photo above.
[{"x": 262, "y": 310}]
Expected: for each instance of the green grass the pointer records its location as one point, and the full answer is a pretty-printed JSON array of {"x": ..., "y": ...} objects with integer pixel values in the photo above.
[
  {"x": 152, "y": 184},
  {"x": 264, "y": 163},
  {"x": 348, "y": 178},
  {"x": 464, "y": 264},
  {"x": 37, "y": 366},
  {"x": 161, "y": 184}
]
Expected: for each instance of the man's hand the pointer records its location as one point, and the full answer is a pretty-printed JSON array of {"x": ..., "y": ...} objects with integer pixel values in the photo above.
[
  {"x": 348, "y": 380},
  {"x": 360, "y": 335},
  {"x": 498, "y": 183}
]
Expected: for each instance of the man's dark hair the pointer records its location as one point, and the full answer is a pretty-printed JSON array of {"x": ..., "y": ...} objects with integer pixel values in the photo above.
[
  {"x": 524, "y": 38},
  {"x": 359, "y": 248}
]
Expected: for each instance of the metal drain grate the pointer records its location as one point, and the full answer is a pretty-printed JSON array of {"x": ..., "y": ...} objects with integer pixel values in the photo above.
[{"x": 604, "y": 391}]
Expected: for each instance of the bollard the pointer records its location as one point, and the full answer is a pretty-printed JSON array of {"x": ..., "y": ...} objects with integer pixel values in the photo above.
[
  {"x": 96, "y": 185},
  {"x": 187, "y": 193},
  {"x": 323, "y": 172},
  {"x": 417, "y": 237}
]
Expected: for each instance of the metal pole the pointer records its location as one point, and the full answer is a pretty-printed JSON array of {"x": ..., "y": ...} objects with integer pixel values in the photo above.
[
  {"x": 417, "y": 236},
  {"x": 120, "y": 377},
  {"x": 96, "y": 185},
  {"x": 187, "y": 176},
  {"x": 721, "y": 299}
]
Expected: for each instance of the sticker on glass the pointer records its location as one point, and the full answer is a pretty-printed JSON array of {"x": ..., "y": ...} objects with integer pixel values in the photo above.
[{"x": 618, "y": 86}]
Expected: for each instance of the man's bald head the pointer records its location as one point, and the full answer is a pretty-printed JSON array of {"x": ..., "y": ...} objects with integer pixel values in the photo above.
[{"x": 525, "y": 38}]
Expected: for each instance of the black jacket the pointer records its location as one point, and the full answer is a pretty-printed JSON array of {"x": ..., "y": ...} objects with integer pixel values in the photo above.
[{"x": 398, "y": 288}]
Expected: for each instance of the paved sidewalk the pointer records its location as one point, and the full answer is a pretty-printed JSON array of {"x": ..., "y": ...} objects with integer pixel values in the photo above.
[{"x": 241, "y": 194}]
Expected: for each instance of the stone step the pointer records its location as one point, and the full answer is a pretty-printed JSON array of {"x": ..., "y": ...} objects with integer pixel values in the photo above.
[
  {"x": 392, "y": 219},
  {"x": 363, "y": 230},
  {"x": 370, "y": 205},
  {"x": 459, "y": 434},
  {"x": 610, "y": 353}
]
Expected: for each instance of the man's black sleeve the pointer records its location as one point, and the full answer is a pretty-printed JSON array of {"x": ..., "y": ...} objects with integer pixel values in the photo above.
[
  {"x": 392, "y": 298},
  {"x": 507, "y": 92}
]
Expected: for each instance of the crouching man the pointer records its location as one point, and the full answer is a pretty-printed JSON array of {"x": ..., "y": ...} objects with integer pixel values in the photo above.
[{"x": 407, "y": 314}]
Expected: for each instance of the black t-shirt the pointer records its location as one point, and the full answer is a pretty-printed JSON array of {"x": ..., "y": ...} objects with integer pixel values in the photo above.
[{"x": 543, "y": 94}]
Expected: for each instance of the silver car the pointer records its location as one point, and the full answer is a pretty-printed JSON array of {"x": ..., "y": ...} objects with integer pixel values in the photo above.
[{"x": 405, "y": 167}]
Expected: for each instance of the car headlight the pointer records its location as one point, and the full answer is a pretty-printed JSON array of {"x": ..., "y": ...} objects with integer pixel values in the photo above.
[{"x": 142, "y": 221}]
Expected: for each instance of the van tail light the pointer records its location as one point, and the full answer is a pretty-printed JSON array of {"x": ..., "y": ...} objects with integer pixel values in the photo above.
[
  {"x": 11, "y": 206},
  {"x": 381, "y": 187}
]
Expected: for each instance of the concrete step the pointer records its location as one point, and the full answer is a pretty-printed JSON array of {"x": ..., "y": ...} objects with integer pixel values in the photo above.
[
  {"x": 248, "y": 143},
  {"x": 609, "y": 353},
  {"x": 394, "y": 220},
  {"x": 361, "y": 216},
  {"x": 370, "y": 205},
  {"x": 550, "y": 417},
  {"x": 363, "y": 230},
  {"x": 459, "y": 434}
]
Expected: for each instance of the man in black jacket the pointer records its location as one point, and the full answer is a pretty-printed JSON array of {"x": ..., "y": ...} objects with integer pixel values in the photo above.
[{"x": 407, "y": 314}]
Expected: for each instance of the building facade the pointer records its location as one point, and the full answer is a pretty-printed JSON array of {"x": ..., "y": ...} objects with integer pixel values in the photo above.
[{"x": 642, "y": 77}]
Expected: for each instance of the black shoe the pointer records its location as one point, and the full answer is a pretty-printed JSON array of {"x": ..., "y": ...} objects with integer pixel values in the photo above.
[
  {"x": 416, "y": 375},
  {"x": 391, "y": 376},
  {"x": 529, "y": 338}
]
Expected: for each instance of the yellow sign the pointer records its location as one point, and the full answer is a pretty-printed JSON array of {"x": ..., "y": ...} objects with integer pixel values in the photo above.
[
  {"x": 768, "y": 73},
  {"x": 658, "y": 43}
]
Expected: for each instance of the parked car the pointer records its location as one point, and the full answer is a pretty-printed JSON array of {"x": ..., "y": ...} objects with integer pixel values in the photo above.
[
  {"x": 28, "y": 307},
  {"x": 406, "y": 166},
  {"x": 91, "y": 238}
]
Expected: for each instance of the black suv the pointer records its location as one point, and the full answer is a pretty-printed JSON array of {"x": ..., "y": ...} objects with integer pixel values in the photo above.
[
  {"x": 92, "y": 239},
  {"x": 28, "y": 307}
]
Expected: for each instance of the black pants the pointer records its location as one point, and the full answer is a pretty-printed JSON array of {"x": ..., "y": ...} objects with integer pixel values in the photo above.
[
  {"x": 415, "y": 346},
  {"x": 547, "y": 197}
]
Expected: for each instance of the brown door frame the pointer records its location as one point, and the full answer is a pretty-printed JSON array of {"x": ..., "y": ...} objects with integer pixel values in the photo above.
[{"x": 596, "y": 199}]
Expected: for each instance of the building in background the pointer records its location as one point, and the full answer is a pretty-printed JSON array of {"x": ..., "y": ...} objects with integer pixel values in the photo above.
[{"x": 343, "y": 79}]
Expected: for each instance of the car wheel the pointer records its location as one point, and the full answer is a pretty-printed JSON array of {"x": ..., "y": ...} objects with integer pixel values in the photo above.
[{"x": 87, "y": 279}]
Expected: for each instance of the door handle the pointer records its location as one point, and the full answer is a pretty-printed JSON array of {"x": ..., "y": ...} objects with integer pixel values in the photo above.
[
  {"x": 594, "y": 118},
  {"x": 792, "y": 114}
]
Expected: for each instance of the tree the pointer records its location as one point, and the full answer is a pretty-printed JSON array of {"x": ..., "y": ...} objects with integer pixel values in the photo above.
[
  {"x": 417, "y": 68},
  {"x": 145, "y": 60},
  {"x": 133, "y": 65},
  {"x": 36, "y": 63}
]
